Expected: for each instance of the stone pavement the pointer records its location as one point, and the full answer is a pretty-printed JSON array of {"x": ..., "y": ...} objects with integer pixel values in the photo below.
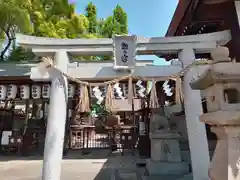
[{"x": 75, "y": 166}]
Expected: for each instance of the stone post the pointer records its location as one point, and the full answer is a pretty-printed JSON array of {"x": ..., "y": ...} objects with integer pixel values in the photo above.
[
  {"x": 196, "y": 130},
  {"x": 225, "y": 163},
  {"x": 165, "y": 150},
  {"x": 233, "y": 133},
  {"x": 165, "y": 155},
  {"x": 56, "y": 119}
]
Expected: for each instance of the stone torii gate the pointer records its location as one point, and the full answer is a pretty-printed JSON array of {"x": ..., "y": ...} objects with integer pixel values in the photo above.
[{"x": 184, "y": 46}]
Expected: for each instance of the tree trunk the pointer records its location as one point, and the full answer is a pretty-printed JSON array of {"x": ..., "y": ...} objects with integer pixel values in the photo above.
[
  {"x": 5, "y": 49},
  {"x": 10, "y": 37}
]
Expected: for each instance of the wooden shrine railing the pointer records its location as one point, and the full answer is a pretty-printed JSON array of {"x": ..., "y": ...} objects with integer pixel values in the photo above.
[{"x": 88, "y": 138}]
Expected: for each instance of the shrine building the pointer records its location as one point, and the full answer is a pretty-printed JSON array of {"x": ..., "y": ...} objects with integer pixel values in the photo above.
[{"x": 193, "y": 17}]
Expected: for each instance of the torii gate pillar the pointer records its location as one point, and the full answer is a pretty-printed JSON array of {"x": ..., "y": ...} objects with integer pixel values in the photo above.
[
  {"x": 56, "y": 119},
  {"x": 196, "y": 130}
]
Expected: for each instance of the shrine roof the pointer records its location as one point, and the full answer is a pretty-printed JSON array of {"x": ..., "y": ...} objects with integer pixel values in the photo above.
[
  {"x": 192, "y": 15},
  {"x": 16, "y": 69},
  {"x": 178, "y": 16}
]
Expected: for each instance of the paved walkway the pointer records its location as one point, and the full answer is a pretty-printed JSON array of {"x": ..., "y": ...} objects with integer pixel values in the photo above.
[{"x": 76, "y": 166}]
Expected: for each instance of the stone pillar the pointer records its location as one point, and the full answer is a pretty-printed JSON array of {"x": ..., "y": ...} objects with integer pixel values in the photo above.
[
  {"x": 237, "y": 6},
  {"x": 196, "y": 130},
  {"x": 233, "y": 22},
  {"x": 233, "y": 133},
  {"x": 225, "y": 164},
  {"x": 218, "y": 167},
  {"x": 56, "y": 119}
]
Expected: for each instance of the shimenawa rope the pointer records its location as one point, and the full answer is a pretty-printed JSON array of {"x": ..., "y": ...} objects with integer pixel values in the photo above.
[{"x": 47, "y": 62}]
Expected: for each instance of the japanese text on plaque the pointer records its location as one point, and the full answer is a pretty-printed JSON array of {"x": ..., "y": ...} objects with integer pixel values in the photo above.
[{"x": 124, "y": 48}]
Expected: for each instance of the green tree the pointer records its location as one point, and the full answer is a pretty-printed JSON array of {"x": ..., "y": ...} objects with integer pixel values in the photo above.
[
  {"x": 20, "y": 54},
  {"x": 47, "y": 18},
  {"x": 108, "y": 27},
  {"x": 75, "y": 27},
  {"x": 91, "y": 14},
  {"x": 116, "y": 24},
  {"x": 120, "y": 20},
  {"x": 57, "y": 19},
  {"x": 13, "y": 18}
]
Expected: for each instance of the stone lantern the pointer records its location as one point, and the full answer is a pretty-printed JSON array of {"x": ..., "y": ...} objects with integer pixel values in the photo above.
[{"x": 221, "y": 80}]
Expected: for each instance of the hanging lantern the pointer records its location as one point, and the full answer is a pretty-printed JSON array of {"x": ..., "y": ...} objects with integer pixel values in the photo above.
[
  {"x": 46, "y": 91},
  {"x": 36, "y": 92},
  {"x": 11, "y": 91},
  {"x": 24, "y": 92},
  {"x": 71, "y": 90},
  {"x": 3, "y": 92}
]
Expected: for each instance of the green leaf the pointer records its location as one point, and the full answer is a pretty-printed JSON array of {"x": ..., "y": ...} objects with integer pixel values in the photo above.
[{"x": 57, "y": 19}]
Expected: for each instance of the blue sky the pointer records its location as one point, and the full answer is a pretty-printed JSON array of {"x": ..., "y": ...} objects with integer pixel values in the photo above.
[{"x": 149, "y": 18}]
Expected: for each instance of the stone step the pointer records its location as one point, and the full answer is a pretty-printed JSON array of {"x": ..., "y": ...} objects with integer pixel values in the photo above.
[
  {"x": 186, "y": 177},
  {"x": 126, "y": 174},
  {"x": 186, "y": 157},
  {"x": 167, "y": 168},
  {"x": 169, "y": 177}
]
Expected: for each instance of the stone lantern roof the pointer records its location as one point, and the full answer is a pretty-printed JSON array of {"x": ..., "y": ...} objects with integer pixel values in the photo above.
[
  {"x": 217, "y": 73},
  {"x": 220, "y": 71}
]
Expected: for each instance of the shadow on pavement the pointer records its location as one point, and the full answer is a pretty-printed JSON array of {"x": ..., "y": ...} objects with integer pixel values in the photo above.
[
  {"x": 117, "y": 165},
  {"x": 71, "y": 155},
  {"x": 97, "y": 165}
]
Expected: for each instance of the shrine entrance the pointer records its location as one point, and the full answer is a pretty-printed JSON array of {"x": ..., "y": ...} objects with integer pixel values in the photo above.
[
  {"x": 56, "y": 67},
  {"x": 116, "y": 131}
]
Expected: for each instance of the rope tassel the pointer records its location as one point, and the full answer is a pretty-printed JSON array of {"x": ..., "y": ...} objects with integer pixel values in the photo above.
[
  {"x": 153, "y": 102},
  {"x": 130, "y": 90},
  {"x": 84, "y": 105},
  {"x": 110, "y": 102},
  {"x": 178, "y": 91}
]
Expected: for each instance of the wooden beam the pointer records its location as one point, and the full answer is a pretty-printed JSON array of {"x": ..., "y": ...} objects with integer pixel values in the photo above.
[
  {"x": 180, "y": 13},
  {"x": 232, "y": 20}
]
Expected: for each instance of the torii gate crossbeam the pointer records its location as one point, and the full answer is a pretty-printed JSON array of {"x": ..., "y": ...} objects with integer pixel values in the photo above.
[{"x": 203, "y": 43}]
